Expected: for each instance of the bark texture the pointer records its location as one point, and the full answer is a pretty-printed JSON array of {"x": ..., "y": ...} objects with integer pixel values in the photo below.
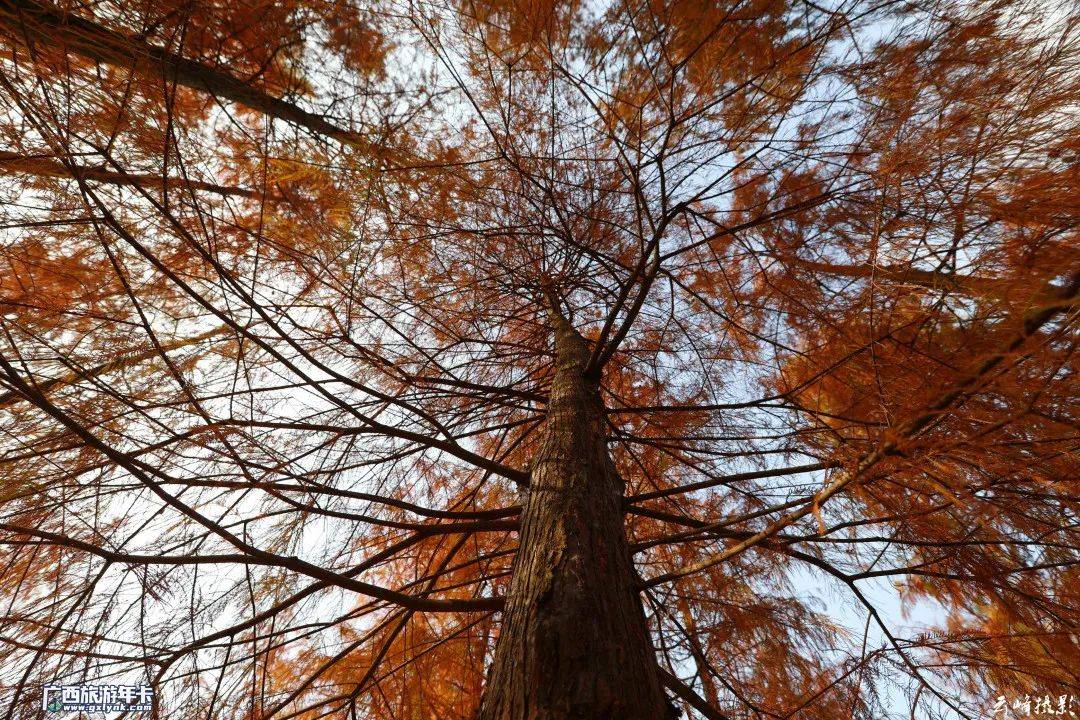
[{"x": 574, "y": 644}]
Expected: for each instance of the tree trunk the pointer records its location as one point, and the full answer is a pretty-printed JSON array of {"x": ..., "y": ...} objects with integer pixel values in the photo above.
[{"x": 574, "y": 643}]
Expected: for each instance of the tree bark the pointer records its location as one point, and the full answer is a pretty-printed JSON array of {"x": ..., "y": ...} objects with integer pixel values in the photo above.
[{"x": 574, "y": 644}]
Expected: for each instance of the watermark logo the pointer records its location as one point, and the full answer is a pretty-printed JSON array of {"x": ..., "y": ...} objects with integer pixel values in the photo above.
[
  {"x": 97, "y": 698},
  {"x": 1030, "y": 706}
]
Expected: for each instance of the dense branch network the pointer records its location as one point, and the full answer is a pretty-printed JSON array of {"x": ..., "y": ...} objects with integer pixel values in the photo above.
[{"x": 280, "y": 315}]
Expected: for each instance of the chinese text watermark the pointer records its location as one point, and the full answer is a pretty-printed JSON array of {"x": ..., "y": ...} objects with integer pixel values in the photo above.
[
  {"x": 1046, "y": 706},
  {"x": 96, "y": 698}
]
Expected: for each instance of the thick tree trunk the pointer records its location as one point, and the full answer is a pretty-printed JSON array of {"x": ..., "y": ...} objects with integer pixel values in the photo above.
[{"x": 574, "y": 644}]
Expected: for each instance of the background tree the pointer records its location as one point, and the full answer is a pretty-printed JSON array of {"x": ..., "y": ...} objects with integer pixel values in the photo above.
[{"x": 540, "y": 360}]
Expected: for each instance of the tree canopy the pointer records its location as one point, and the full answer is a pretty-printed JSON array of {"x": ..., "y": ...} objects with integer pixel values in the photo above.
[{"x": 310, "y": 308}]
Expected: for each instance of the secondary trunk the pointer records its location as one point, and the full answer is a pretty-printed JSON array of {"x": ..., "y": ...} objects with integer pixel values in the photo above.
[{"x": 574, "y": 644}]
